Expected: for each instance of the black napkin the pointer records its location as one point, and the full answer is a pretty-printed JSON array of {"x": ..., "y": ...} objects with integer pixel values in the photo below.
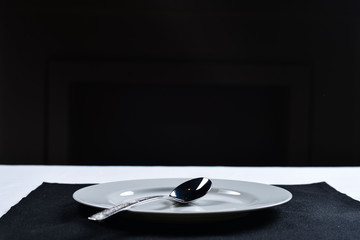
[{"x": 317, "y": 211}]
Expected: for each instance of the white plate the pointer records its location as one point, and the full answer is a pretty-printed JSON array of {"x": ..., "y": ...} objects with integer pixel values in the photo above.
[{"x": 226, "y": 197}]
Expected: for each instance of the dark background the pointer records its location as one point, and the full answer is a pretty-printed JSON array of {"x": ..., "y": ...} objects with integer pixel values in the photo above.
[{"x": 180, "y": 82}]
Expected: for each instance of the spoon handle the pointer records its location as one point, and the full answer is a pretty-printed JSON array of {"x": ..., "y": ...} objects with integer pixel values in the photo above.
[{"x": 122, "y": 206}]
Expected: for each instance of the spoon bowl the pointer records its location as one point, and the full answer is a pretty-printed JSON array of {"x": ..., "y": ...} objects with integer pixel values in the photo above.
[{"x": 186, "y": 192}]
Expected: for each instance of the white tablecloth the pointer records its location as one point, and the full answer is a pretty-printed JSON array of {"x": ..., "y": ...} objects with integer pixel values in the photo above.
[{"x": 17, "y": 182}]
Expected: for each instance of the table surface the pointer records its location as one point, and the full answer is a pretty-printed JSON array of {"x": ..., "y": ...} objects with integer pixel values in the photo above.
[{"x": 17, "y": 181}]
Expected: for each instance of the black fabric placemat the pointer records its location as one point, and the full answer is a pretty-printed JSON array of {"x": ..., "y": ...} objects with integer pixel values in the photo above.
[{"x": 317, "y": 211}]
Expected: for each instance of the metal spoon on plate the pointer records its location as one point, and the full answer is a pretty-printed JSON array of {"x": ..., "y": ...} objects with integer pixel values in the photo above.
[{"x": 184, "y": 193}]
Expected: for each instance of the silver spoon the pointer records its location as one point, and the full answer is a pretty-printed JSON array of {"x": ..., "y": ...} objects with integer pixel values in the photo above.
[{"x": 184, "y": 193}]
